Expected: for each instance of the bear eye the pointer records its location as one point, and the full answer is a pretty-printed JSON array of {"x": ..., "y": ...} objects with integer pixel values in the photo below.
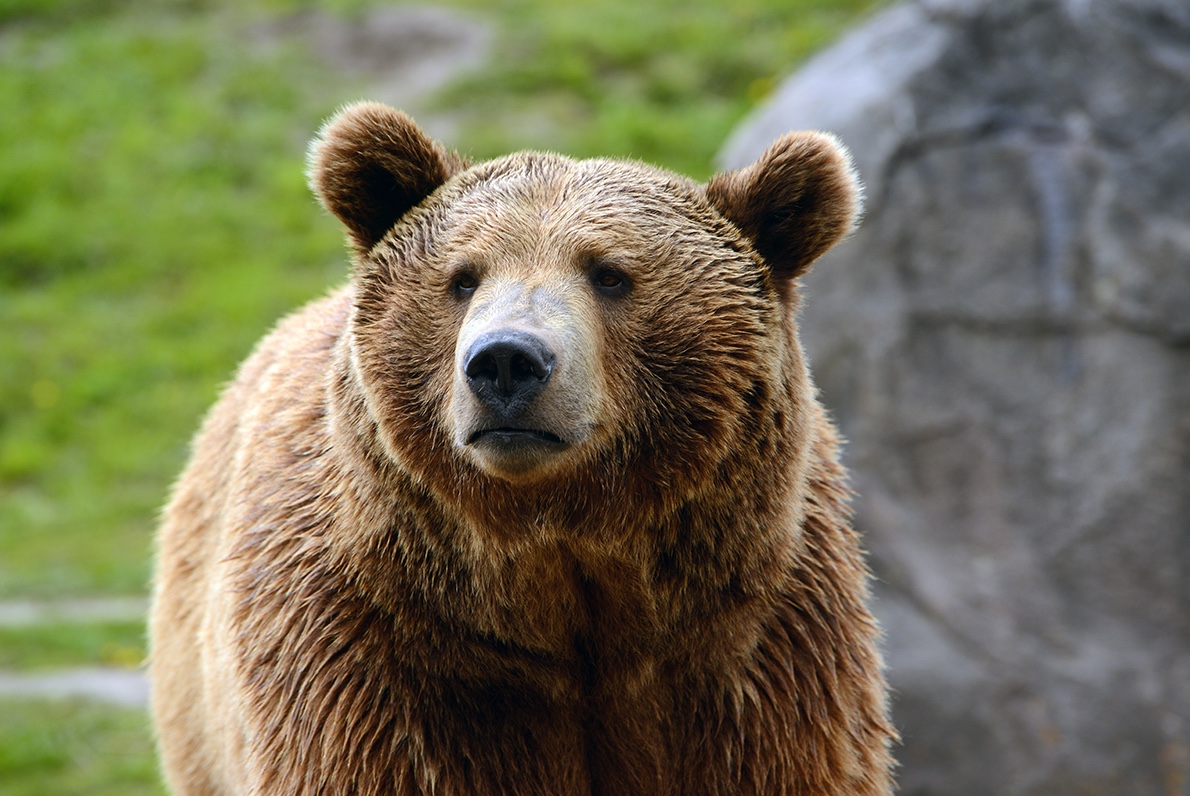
[
  {"x": 609, "y": 281},
  {"x": 464, "y": 284}
]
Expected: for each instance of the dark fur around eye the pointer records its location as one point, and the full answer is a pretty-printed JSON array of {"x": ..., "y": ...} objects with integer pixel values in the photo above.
[
  {"x": 609, "y": 280},
  {"x": 464, "y": 284}
]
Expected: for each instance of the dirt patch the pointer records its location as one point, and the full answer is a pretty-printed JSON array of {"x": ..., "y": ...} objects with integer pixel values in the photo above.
[
  {"x": 399, "y": 56},
  {"x": 23, "y": 613},
  {"x": 123, "y": 687}
]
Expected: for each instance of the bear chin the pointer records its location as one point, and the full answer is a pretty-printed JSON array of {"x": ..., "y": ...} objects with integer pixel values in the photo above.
[{"x": 517, "y": 453}]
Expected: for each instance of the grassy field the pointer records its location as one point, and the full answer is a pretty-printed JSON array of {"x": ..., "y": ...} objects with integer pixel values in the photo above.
[{"x": 154, "y": 222}]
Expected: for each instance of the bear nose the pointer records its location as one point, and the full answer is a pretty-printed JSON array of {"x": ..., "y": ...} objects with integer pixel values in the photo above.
[{"x": 507, "y": 367}]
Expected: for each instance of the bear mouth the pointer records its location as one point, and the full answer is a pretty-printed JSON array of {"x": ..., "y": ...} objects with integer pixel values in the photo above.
[{"x": 515, "y": 437}]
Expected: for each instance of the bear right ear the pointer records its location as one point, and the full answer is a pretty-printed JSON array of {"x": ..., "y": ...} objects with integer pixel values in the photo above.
[{"x": 371, "y": 164}]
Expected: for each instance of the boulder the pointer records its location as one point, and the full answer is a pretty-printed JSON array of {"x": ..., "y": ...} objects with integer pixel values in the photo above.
[{"x": 1005, "y": 344}]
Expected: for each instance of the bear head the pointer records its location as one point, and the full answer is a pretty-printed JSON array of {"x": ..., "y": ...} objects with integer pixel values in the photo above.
[{"x": 596, "y": 329}]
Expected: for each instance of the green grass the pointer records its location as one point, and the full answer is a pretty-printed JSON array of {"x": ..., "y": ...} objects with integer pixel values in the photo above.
[
  {"x": 72, "y": 748},
  {"x": 53, "y": 646},
  {"x": 154, "y": 222},
  {"x": 661, "y": 81},
  {"x": 155, "y": 219}
]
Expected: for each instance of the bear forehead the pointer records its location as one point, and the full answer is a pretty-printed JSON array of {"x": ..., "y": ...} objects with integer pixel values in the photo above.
[
  {"x": 580, "y": 189},
  {"x": 528, "y": 201}
]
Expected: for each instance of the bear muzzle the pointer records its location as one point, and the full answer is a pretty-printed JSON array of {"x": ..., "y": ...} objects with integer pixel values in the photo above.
[
  {"x": 507, "y": 371},
  {"x": 528, "y": 388}
]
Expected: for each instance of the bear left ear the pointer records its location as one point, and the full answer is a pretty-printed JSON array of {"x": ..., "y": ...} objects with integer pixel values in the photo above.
[
  {"x": 798, "y": 200},
  {"x": 371, "y": 164}
]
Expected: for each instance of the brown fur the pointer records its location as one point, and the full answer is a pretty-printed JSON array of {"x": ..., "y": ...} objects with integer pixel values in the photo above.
[{"x": 351, "y": 599}]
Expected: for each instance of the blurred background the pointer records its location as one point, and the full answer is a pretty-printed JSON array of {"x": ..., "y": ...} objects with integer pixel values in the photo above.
[{"x": 1004, "y": 341}]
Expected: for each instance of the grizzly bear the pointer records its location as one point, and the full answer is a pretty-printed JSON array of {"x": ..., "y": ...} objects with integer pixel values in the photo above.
[{"x": 541, "y": 502}]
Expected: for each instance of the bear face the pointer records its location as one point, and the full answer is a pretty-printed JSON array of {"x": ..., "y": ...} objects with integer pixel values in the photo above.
[{"x": 539, "y": 327}]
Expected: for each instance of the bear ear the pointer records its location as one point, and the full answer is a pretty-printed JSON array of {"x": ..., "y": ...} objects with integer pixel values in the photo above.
[
  {"x": 797, "y": 201},
  {"x": 371, "y": 164}
]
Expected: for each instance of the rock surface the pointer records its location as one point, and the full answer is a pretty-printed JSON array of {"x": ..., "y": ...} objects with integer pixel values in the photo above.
[{"x": 1004, "y": 342}]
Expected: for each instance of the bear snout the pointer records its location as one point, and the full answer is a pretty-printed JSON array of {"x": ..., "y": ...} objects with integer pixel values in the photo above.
[
  {"x": 506, "y": 369},
  {"x": 528, "y": 387},
  {"x": 510, "y": 421}
]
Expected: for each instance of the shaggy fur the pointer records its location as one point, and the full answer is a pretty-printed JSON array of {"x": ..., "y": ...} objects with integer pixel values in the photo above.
[{"x": 352, "y": 598}]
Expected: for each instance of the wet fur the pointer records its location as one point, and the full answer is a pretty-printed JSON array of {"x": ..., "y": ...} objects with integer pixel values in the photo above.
[{"x": 347, "y": 604}]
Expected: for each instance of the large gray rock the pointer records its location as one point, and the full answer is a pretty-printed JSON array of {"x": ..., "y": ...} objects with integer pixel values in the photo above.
[{"x": 1004, "y": 342}]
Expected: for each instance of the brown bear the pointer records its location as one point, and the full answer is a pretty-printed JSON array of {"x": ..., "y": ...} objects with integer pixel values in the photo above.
[{"x": 542, "y": 502}]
